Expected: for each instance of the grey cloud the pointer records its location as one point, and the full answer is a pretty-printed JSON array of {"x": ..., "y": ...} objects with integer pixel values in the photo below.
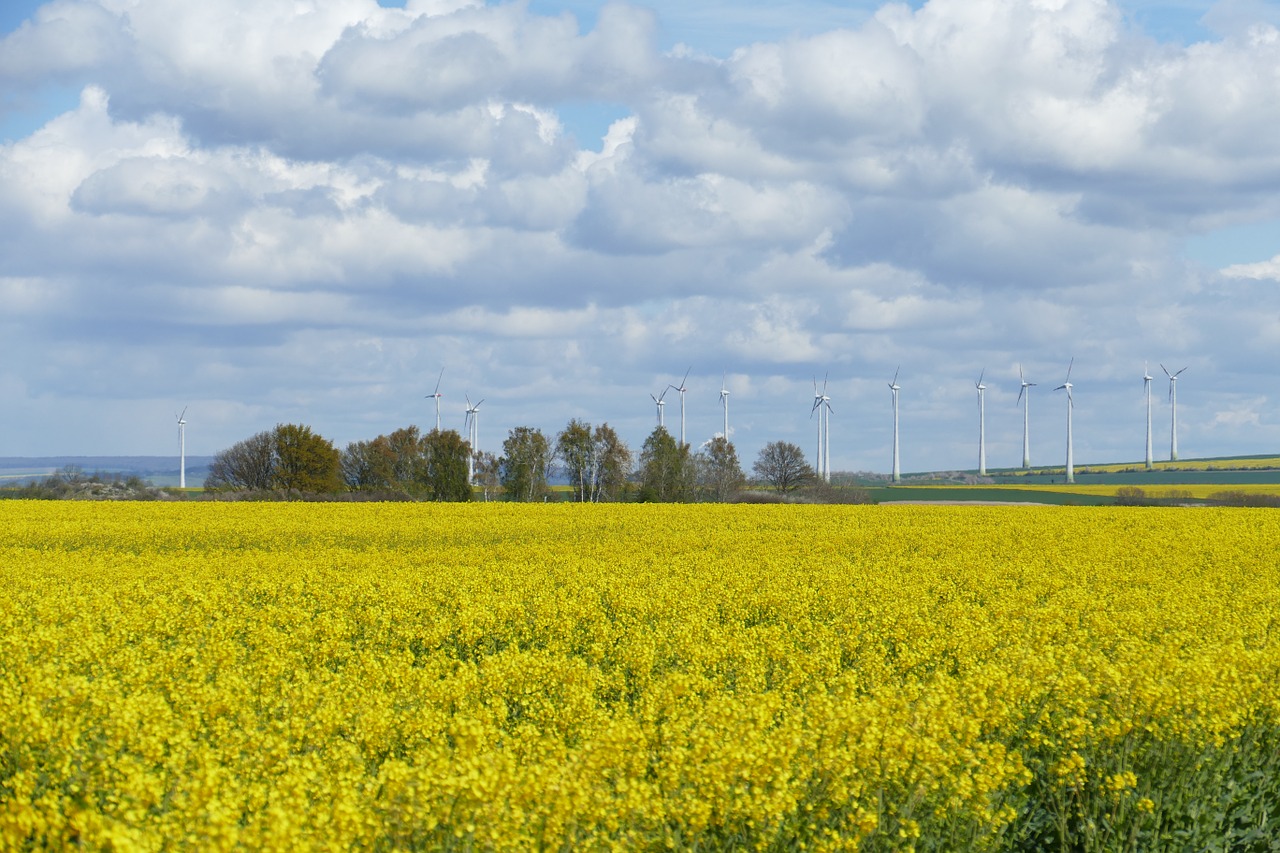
[
  {"x": 155, "y": 186},
  {"x": 439, "y": 63}
]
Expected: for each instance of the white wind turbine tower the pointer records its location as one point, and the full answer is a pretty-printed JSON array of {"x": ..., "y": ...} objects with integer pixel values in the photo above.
[
  {"x": 895, "y": 388},
  {"x": 982, "y": 424},
  {"x": 1146, "y": 384},
  {"x": 658, "y": 400},
  {"x": 1173, "y": 399},
  {"x": 817, "y": 407},
  {"x": 437, "y": 395},
  {"x": 681, "y": 389},
  {"x": 1071, "y": 474},
  {"x": 473, "y": 436},
  {"x": 182, "y": 449},
  {"x": 1026, "y": 417},
  {"x": 724, "y": 404},
  {"x": 822, "y": 405}
]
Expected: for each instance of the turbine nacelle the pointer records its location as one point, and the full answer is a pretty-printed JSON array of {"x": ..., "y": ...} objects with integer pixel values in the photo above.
[
  {"x": 681, "y": 388},
  {"x": 1025, "y": 385},
  {"x": 436, "y": 393},
  {"x": 1067, "y": 385},
  {"x": 1173, "y": 378}
]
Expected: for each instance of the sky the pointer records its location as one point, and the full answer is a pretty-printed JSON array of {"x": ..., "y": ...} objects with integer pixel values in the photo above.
[{"x": 303, "y": 211}]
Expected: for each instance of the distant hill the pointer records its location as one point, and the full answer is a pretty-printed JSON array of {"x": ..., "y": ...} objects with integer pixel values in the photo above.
[{"x": 160, "y": 470}]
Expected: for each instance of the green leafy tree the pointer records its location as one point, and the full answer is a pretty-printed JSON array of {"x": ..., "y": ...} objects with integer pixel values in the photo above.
[
  {"x": 487, "y": 474},
  {"x": 367, "y": 465},
  {"x": 445, "y": 466},
  {"x": 305, "y": 461},
  {"x": 406, "y": 452},
  {"x": 613, "y": 464},
  {"x": 720, "y": 474},
  {"x": 596, "y": 462},
  {"x": 782, "y": 465},
  {"x": 576, "y": 452},
  {"x": 667, "y": 472},
  {"x": 526, "y": 458}
]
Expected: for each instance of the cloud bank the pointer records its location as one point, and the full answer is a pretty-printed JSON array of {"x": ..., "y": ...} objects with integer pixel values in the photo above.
[{"x": 301, "y": 211}]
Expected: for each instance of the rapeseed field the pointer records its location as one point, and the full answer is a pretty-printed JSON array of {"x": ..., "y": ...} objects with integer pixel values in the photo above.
[{"x": 513, "y": 677}]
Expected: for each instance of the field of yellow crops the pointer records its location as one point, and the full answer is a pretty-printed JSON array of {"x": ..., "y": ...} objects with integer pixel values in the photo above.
[
  {"x": 1158, "y": 492},
  {"x": 284, "y": 676}
]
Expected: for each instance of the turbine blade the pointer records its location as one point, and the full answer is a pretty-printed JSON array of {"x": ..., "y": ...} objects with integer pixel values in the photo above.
[
  {"x": 1165, "y": 369},
  {"x": 1180, "y": 371},
  {"x": 1021, "y": 391},
  {"x": 438, "y": 378},
  {"x": 982, "y": 374},
  {"x": 686, "y": 377},
  {"x": 1070, "y": 365}
]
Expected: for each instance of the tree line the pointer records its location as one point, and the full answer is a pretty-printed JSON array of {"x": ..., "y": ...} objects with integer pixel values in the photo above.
[{"x": 440, "y": 465}]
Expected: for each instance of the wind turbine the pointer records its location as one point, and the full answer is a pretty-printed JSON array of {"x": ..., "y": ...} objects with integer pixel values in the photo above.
[
  {"x": 658, "y": 400},
  {"x": 724, "y": 404},
  {"x": 682, "y": 389},
  {"x": 982, "y": 424},
  {"x": 1071, "y": 474},
  {"x": 473, "y": 436},
  {"x": 182, "y": 449},
  {"x": 822, "y": 405},
  {"x": 1026, "y": 417},
  {"x": 437, "y": 395},
  {"x": 895, "y": 388},
  {"x": 1146, "y": 384},
  {"x": 1173, "y": 399}
]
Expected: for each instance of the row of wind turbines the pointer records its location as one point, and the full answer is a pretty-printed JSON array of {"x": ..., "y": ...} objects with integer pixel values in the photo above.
[
  {"x": 822, "y": 408},
  {"x": 1024, "y": 397}
]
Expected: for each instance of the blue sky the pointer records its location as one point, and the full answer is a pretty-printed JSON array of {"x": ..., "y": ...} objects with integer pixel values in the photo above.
[{"x": 281, "y": 211}]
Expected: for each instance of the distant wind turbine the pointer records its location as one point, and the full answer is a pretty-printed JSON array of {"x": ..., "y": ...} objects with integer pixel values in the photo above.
[
  {"x": 724, "y": 404},
  {"x": 822, "y": 405},
  {"x": 681, "y": 388},
  {"x": 473, "y": 436},
  {"x": 437, "y": 395},
  {"x": 895, "y": 388},
  {"x": 982, "y": 424},
  {"x": 1026, "y": 417},
  {"x": 658, "y": 400},
  {"x": 1146, "y": 385},
  {"x": 182, "y": 449},
  {"x": 1173, "y": 399},
  {"x": 1071, "y": 473}
]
